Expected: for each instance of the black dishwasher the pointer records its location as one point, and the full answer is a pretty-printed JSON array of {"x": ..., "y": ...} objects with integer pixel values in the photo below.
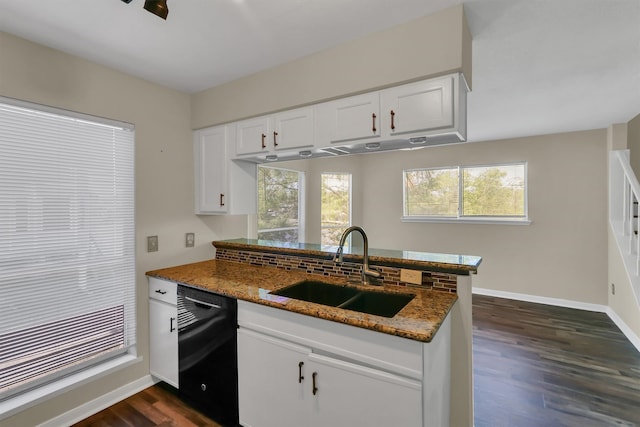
[{"x": 208, "y": 367}]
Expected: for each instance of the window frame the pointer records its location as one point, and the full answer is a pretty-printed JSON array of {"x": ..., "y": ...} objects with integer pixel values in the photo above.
[
  {"x": 350, "y": 222},
  {"x": 468, "y": 219},
  {"x": 301, "y": 205}
]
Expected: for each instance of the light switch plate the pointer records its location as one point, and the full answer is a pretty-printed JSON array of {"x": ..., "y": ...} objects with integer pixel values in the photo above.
[
  {"x": 411, "y": 276},
  {"x": 189, "y": 240},
  {"x": 152, "y": 244}
]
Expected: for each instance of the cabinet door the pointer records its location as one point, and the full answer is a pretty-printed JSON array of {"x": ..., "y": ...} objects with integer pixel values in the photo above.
[
  {"x": 253, "y": 136},
  {"x": 293, "y": 129},
  {"x": 419, "y": 107},
  {"x": 211, "y": 170},
  {"x": 352, "y": 395},
  {"x": 163, "y": 341},
  {"x": 353, "y": 118},
  {"x": 271, "y": 381}
]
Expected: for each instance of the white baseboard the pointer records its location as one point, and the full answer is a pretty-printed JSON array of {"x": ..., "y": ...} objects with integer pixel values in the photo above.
[
  {"x": 626, "y": 330},
  {"x": 86, "y": 410},
  {"x": 542, "y": 300}
]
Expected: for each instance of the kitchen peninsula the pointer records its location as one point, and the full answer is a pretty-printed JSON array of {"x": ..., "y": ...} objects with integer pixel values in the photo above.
[{"x": 250, "y": 270}]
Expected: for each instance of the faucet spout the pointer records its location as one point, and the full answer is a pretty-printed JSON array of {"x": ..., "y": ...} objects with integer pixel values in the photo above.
[{"x": 367, "y": 273}]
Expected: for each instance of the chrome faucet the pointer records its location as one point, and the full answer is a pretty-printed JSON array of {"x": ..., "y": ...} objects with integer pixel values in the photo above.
[{"x": 367, "y": 273}]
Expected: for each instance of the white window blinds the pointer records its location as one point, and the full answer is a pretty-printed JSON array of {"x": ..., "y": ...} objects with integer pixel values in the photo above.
[{"x": 67, "y": 267}]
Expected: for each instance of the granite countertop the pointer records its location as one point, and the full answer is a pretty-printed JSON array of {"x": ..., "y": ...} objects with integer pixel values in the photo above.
[
  {"x": 419, "y": 320},
  {"x": 448, "y": 263}
]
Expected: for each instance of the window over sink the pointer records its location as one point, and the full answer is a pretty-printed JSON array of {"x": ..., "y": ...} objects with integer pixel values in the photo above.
[{"x": 280, "y": 204}]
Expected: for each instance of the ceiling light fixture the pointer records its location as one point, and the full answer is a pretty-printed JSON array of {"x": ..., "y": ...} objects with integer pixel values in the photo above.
[{"x": 157, "y": 7}]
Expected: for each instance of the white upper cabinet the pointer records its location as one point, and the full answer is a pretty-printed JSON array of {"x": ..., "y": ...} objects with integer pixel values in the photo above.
[
  {"x": 349, "y": 119},
  {"x": 419, "y": 107},
  {"x": 427, "y": 112},
  {"x": 252, "y": 135},
  {"x": 277, "y": 132},
  {"x": 211, "y": 169},
  {"x": 222, "y": 185}
]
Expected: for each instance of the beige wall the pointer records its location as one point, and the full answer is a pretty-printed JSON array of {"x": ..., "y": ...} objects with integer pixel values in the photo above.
[
  {"x": 428, "y": 46},
  {"x": 164, "y": 175},
  {"x": 562, "y": 254},
  {"x": 633, "y": 143}
]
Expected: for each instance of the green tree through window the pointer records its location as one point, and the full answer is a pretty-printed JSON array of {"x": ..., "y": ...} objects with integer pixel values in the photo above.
[
  {"x": 335, "y": 211},
  {"x": 478, "y": 191},
  {"x": 279, "y": 203}
]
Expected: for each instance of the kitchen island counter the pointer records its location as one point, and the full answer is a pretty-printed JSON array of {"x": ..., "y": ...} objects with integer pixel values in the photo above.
[{"x": 419, "y": 320}]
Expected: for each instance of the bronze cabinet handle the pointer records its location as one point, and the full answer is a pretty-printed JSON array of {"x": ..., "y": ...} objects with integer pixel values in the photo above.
[
  {"x": 314, "y": 389},
  {"x": 171, "y": 327},
  {"x": 373, "y": 119},
  {"x": 263, "y": 138},
  {"x": 300, "y": 377},
  {"x": 393, "y": 115},
  {"x": 275, "y": 141},
  {"x": 221, "y": 199}
]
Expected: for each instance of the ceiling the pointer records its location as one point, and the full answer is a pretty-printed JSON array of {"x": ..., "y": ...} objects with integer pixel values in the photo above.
[{"x": 539, "y": 66}]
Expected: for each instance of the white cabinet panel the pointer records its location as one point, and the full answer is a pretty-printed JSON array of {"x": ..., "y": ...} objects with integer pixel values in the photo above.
[
  {"x": 272, "y": 378},
  {"x": 253, "y": 135},
  {"x": 163, "y": 331},
  {"x": 293, "y": 129},
  {"x": 420, "y": 107},
  {"x": 350, "y": 119},
  {"x": 211, "y": 170},
  {"x": 348, "y": 395}
]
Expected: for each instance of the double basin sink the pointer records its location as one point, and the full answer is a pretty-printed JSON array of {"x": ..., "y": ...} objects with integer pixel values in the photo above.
[{"x": 349, "y": 298}]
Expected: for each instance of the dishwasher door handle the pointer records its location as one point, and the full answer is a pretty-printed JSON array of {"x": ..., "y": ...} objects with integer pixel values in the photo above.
[{"x": 208, "y": 304}]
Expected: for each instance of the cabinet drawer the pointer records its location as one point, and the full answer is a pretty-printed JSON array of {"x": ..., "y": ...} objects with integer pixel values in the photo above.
[
  {"x": 384, "y": 351},
  {"x": 163, "y": 290}
]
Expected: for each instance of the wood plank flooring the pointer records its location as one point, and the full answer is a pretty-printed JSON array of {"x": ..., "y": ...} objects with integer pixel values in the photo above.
[
  {"x": 152, "y": 407},
  {"x": 540, "y": 365},
  {"x": 534, "y": 365}
]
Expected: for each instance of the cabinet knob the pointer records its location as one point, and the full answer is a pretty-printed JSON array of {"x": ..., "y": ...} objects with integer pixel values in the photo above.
[
  {"x": 300, "y": 377},
  {"x": 393, "y": 115},
  {"x": 263, "y": 138},
  {"x": 275, "y": 140},
  {"x": 373, "y": 119},
  {"x": 221, "y": 199},
  {"x": 314, "y": 389}
]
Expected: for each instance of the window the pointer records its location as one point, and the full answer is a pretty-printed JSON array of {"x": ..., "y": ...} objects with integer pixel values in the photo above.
[
  {"x": 67, "y": 266},
  {"x": 335, "y": 210},
  {"x": 280, "y": 204},
  {"x": 466, "y": 192}
]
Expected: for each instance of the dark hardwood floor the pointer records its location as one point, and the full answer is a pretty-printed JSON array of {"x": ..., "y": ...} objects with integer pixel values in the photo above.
[
  {"x": 540, "y": 365},
  {"x": 534, "y": 365},
  {"x": 154, "y": 406}
]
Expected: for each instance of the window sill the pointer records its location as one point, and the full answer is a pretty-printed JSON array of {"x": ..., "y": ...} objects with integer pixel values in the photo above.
[
  {"x": 493, "y": 221},
  {"x": 31, "y": 398}
]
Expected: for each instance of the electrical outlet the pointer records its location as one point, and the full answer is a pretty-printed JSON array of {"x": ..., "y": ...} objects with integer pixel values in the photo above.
[
  {"x": 152, "y": 244},
  {"x": 411, "y": 276},
  {"x": 613, "y": 289},
  {"x": 189, "y": 240}
]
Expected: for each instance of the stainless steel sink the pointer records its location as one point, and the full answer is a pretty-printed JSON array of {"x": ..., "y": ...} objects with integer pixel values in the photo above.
[{"x": 350, "y": 298}]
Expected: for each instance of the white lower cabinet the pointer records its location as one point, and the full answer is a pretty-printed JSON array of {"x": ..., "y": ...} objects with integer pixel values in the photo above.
[
  {"x": 269, "y": 391},
  {"x": 163, "y": 330},
  {"x": 296, "y": 370}
]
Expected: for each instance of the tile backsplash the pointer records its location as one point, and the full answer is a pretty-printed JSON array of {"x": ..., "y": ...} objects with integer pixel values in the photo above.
[{"x": 445, "y": 282}]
